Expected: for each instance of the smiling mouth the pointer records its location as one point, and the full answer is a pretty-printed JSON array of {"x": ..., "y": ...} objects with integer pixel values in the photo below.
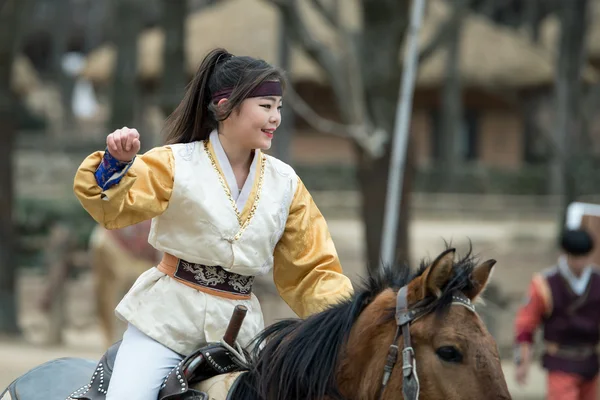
[{"x": 268, "y": 132}]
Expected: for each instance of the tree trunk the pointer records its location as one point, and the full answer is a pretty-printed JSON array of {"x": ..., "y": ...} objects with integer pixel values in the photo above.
[
  {"x": 174, "y": 79},
  {"x": 365, "y": 78},
  {"x": 96, "y": 15},
  {"x": 373, "y": 179},
  {"x": 531, "y": 130},
  {"x": 532, "y": 19},
  {"x": 60, "y": 38},
  {"x": 568, "y": 93},
  {"x": 9, "y": 15},
  {"x": 452, "y": 110},
  {"x": 382, "y": 75},
  {"x": 124, "y": 92},
  {"x": 285, "y": 131}
]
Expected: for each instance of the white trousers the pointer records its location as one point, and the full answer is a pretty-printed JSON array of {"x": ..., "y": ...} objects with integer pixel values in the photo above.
[{"x": 140, "y": 367}]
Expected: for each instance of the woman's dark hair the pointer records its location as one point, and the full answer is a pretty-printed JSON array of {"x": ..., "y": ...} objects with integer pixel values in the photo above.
[
  {"x": 196, "y": 116},
  {"x": 576, "y": 242}
]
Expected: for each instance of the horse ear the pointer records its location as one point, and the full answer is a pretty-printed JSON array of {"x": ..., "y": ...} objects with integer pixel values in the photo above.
[
  {"x": 480, "y": 277},
  {"x": 437, "y": 274}
]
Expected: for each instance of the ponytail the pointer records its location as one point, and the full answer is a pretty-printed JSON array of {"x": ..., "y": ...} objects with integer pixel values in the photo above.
[{"x": 192, "y": 120}]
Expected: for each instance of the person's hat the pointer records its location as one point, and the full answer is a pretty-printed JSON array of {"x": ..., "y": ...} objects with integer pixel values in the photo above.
[{"x": 576, "y": 242}]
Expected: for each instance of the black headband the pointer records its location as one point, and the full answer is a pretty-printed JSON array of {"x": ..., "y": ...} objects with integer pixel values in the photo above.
[{"x": 267, "y": 88}]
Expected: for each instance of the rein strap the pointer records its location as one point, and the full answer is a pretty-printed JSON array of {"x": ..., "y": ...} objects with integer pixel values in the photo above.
[{"x": 404, "y": 317}]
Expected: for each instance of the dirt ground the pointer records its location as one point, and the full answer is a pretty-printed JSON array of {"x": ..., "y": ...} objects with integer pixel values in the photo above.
[{"x": 520, "y": 247}]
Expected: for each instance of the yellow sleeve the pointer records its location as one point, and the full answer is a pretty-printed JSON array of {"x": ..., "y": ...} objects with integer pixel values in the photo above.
[
  {"x": 143, "y": 192},
  {"x": 307, "y": 270}
]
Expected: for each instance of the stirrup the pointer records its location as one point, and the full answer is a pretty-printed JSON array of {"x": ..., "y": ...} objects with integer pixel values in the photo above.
[{"x": 211, "y": 360}]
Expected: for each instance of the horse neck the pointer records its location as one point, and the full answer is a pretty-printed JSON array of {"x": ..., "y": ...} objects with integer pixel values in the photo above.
[{"x": 361, "y": 362}]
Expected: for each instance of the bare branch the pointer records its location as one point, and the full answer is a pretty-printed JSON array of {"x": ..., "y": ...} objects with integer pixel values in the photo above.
[
  {"x": 301, "y": 34},
  {"x": 373, "y": 140},
  {"x": 332, "y": 16},
  {"x": 439, "y": 39},
  {"x": 343, "y": 72},
  {"x": 329, "y": 14},
  {"x": 532, "y": 19},
  {"x": 315, "y": 120}
]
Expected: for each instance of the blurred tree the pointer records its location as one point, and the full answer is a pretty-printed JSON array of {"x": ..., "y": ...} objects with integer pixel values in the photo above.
[
  {"x": 364, "y": 73},
  {"x": 60, "y": 37},
  {"x": 126, "y": 28},
  {"x": 94, "y": 20},
  {"x": 174, "y": 79},
  {"x": 10, "y": 16},
  {"x": 173, "y": 83},
  {"x": 527, "y": 14},
  {"x": 452, "y": 110},
  {"x": 282, "y": 146},
  {"x": 574, "y": 21},
  {"x": 567, "y": 140}
]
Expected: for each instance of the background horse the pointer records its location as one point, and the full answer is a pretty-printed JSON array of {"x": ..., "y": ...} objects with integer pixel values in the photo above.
[
  {"x": 117, "y": 258},
  {"x": 347, "y": 350}
]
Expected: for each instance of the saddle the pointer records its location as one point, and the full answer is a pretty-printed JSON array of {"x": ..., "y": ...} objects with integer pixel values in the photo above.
[{"x": 206, "y": 362}]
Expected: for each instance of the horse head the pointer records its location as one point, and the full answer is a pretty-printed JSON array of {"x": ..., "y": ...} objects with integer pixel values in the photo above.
[{"x": 455, "y": 357}]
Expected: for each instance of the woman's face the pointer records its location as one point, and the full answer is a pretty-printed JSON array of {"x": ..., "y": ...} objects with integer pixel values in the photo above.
[{"x": 253, "y": 125}]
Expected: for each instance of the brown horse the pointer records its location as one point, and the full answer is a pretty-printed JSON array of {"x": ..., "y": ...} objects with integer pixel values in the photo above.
[{"x": 400, "y": 336}]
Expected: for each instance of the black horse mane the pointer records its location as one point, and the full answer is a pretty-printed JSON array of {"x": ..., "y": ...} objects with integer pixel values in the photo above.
[{"x": 297, "y": 359}]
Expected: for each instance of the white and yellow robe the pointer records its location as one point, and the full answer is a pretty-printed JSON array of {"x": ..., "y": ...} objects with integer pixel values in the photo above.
[{"x": 199, "y": 215}]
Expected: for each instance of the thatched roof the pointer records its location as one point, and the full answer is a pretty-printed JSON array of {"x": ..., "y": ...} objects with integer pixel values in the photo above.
[
  {"x": 24, "y": 78},
  {"x": 490, "y": 55},
  {"x": 248, "y": 27}
]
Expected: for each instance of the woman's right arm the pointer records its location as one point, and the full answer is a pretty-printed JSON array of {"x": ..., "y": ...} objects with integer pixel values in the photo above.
[{"x": 118, "y": 194}]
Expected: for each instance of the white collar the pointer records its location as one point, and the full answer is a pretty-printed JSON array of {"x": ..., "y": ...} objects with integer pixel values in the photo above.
[
  {"x": 239, "y": 195},
  {"x": 578, "y": 284}
]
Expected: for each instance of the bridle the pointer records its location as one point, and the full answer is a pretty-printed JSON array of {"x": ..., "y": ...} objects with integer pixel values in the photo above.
[{"x": 404, "y": 317}]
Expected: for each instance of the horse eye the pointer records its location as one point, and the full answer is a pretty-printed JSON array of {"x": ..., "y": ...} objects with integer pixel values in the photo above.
[{"x": 449, "y": 354}]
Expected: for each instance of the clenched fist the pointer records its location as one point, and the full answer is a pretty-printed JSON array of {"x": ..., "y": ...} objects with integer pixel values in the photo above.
[{"x": 123, "y": 144}]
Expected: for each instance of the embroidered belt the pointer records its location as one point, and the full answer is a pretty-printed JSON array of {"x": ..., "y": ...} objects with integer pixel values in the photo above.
[
  {"x": 213, "y": 280},
  {"x": 570, "y": 352}
]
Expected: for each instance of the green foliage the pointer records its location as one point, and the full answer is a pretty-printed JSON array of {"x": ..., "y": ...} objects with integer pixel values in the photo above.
[
  {"x": 530, "y": 180},
  {"x": 35, "y": 218},
  {"x": 27, "y": 121},
  {"x": 525, "y": 181},
  {"x": 327, "y": 177}
]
